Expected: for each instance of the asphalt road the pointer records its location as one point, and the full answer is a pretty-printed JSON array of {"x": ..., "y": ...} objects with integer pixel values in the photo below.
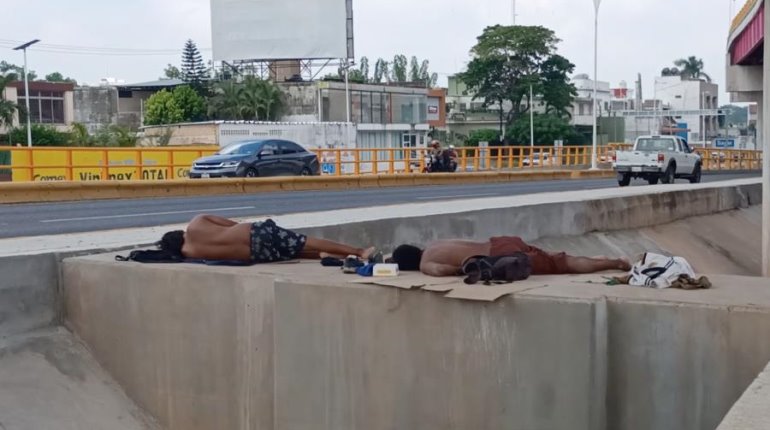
[{"x": 19, "y": 220}]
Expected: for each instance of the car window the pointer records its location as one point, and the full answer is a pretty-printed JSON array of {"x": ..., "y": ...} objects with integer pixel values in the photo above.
[
  {"x": 290, "y": 148},
  {"x": 241, "y": 148},
  {"x": 655, "y": 144},
  {"x": 686, "y": 147},
  {"x": 269, "y": 148}
]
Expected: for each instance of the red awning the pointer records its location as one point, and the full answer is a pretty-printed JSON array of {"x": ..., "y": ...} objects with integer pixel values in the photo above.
[{"x": 750, "y": 39}]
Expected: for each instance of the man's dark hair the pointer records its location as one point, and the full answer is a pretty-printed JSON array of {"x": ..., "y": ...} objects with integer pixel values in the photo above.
[
  {"x": 172, "y": 242},
  {"x": 408, "y": 258}
]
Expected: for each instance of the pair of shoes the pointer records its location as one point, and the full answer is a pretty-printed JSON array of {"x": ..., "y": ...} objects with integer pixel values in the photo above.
[
  {"x": 351, "y": 264},
  {"x": 376, "y": 258}
]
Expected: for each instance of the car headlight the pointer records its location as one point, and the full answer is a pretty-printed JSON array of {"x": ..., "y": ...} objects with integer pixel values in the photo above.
[{"x": 231, "y": 164}]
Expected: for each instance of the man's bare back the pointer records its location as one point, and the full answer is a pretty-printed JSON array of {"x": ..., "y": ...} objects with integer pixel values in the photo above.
[{"x": 215, "y": 238}]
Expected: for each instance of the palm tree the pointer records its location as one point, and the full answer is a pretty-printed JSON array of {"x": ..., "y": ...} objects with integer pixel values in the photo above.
[
  {"x": 8, "y": 109},
  {"x": 225, "y": 104},
  {"x": 692, "y": 68}
]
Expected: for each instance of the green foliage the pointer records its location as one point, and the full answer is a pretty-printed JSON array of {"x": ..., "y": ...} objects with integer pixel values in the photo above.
[
  {"x": 171, "y": 72},
  {"x": 483, "y": 135},
  {"x": 5, "y": 160},
  {"x": 162, "y": 108},
  {"x": 42, "y": 135},
  {"x": 507, "y": 60},
  {"x": 252, "y": 100},
  {"x": 182, "y": 104},
  {"x": 58, "y": 77},
  {"x": 115, "y": 136},
  {"x": 737, "y": 117},
  {"x": 79, "y": 135},
  {"x": 381, "y": 71},
  {"x": 398, "y": 71},
  {"x": 194, "y": 71},
  {"x": 691, "y": 68},
  {"x": 8, "y": 108},
  {"x": 548, "y": 128},
  {"x": 193, "y": 106},
  {"x": 16, "y": 72}
]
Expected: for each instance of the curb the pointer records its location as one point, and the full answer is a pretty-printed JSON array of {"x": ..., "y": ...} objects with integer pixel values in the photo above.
[{"x": 38, "y": 192}]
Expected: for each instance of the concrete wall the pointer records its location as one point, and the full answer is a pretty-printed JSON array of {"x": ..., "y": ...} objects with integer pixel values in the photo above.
[
  {"x": 29, "y": 298},
  {"x": 96, "y": 106},
  {"x": 301, "y": 102},
  {"x": 193, "y": 356}
]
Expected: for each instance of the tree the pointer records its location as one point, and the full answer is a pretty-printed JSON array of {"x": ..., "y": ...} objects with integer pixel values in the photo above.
[
  {"x": 225, "y": 104},
  {"x": 192, "y": 104},
  {"x": 17, "y": 72},
  {"x": 193, "y": 71},
  {"x": 507, "y": 60},
  {"x": 414, "y": 70},
  {"x": 254, "y": 99},
  {"x": 58, "y": 77},
  {"x": 548, "y": 128},
  {"x": 381, "y": 71},
  {"x": 364, "y": 68},
  {"x": 171, "y": 72},
  {"x": 42, "y": 135},
  {"x": 398, "y": 70},
  {"x": 483, "y": 135},
  {"x": 162, "y": 108},
  {"x": 8, "y": 108},
  {"x": 692, "y": 68}
]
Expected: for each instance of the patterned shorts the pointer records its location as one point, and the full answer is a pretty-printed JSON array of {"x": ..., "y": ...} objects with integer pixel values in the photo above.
[{"x": 270, "y": 243}]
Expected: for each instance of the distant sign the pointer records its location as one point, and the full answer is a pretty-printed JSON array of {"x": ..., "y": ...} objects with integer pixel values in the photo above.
[{"x": 724, "y": 143}]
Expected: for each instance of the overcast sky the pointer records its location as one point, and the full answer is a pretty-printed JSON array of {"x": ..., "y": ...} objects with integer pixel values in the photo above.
[{"x": 636, "y": 36}]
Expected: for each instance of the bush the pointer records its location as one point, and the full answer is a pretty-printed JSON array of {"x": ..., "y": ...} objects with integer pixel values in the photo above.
[
  {"x": 42, "y": 135},
  {"x": 548, "y": 128},
  {"x": 484, "y": 135}
]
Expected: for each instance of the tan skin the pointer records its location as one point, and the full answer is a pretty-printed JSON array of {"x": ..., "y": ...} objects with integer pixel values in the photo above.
[
  {"x": 210, "y": 237},
  {"x": 446, "y": 258}
]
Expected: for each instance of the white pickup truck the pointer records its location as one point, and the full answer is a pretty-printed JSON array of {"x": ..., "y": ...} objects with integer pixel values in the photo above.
[{"x": 658, "y": 158}]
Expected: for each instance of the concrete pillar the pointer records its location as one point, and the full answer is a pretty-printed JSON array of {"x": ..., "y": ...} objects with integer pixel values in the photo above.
[{"x": 766, "y": 152}]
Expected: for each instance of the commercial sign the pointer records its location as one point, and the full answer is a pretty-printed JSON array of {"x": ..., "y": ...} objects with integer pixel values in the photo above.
[{"x": 88, "y": 164}]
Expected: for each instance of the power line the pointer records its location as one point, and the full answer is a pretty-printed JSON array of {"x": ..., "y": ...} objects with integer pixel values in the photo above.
[{"x": 93, "y": 50}]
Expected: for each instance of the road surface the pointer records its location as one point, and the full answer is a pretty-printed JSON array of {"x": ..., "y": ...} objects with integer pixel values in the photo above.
[{"x": 41, "y": 219}]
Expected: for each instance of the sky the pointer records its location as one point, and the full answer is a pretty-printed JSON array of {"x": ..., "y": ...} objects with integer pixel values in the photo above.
[{"x": 635, "y": 36}]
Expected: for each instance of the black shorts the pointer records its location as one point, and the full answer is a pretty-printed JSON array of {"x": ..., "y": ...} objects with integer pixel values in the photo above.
[{"x": 270, "y": 243}]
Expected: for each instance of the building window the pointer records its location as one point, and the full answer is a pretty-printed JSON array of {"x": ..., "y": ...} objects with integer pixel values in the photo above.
[{"x": 45, "y": 107}]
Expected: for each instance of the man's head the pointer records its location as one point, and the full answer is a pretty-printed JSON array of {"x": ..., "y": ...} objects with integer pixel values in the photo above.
[
  {"x": 172, "y": 242},
  {"x": 408, "y": 258},
  {"x": 435, "y": 144}
]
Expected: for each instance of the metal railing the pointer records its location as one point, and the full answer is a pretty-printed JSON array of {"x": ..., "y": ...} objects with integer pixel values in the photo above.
[{"x": 98, "y": 164}]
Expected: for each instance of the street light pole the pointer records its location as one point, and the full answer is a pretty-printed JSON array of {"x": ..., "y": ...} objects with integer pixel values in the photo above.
[
  {"x": 597, "y": 3},
  {"x": 26, "y": 87},
  {"x": 531, "y": 118}
]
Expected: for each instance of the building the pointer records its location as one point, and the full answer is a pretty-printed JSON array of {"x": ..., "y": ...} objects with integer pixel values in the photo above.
[
  {"x": 678, "y": 94},
  {"x": 50, "y": 103},
  {"x": 385, "y": 116},
  {"x": 582, "y": 107}
]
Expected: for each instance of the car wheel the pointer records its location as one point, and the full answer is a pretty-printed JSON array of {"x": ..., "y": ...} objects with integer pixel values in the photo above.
[
  {"x": 670, "y": 176},
  {"x": 305, "y": 172},
  {"x": 251, "y": 172},
  {"x": 624, "y": 180},
  {"x": 696, "y": 176},
  {"x": 653, "y": 180}
]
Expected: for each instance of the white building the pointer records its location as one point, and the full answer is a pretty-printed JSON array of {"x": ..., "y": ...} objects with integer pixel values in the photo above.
[
  {"x": 675, "y": 93},
  {"x": 582, "y": 107}
]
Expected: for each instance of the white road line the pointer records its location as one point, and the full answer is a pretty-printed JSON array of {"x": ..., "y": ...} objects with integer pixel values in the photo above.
[
  {"x": 458, "y": 196},
  {"x": 147, "y": 214}
]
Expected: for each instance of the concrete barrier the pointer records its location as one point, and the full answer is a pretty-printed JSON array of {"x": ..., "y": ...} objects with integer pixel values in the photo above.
[{"x": 71, "y": 191}]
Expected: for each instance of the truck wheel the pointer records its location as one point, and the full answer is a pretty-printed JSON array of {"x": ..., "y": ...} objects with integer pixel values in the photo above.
[
  {"x": 653, "y": 180},
  {"x": 696, "y": 175},
  {"x": 624, "y": 180},
  {"x": 670, "y": 176}
]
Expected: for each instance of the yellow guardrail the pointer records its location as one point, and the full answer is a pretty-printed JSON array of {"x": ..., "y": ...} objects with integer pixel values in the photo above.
[
  {"x": 742, "y": 14},
  {"x": 132, "y": 164}
]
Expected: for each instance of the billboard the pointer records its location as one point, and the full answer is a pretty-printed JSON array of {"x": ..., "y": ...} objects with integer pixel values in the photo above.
[{"x": 281, "y": 29}]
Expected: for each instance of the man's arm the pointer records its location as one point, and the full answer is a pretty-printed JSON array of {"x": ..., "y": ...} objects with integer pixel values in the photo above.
[{"x": 439, "y": 270}]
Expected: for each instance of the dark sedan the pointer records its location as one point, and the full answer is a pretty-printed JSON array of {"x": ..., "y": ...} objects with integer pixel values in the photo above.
[{"x": 257, "y": 158}]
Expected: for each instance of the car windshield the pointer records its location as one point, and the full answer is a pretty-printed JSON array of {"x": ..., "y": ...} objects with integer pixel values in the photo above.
[
  {"x": 652, "y": 144},
  {"x": 242, "y": 148}
]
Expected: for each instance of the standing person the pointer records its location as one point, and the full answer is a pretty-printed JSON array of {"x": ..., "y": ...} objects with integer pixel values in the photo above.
[
  {"x": 447, "y": 257},
  {"x": 210, "y": 237}
]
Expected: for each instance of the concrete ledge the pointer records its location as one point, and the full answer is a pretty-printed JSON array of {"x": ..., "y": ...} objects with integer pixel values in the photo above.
[
  {"x": 34, "y": 192},
  {"x": 752, "y": 411},
  {"x": 202, "y": 347}
]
